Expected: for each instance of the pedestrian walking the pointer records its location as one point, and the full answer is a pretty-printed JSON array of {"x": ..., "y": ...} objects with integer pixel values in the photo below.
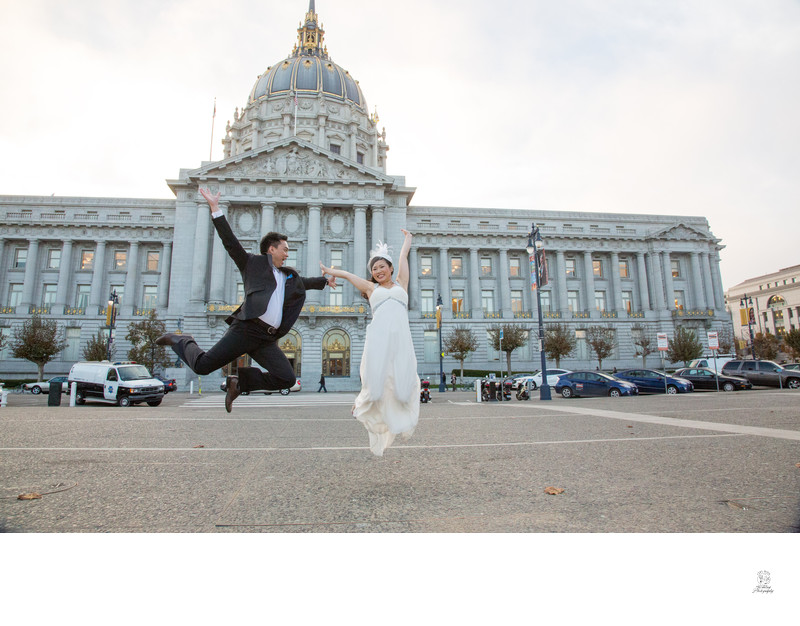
[
  {"x": 322, "y": 384},
  {"x": 453, "y": 380}
]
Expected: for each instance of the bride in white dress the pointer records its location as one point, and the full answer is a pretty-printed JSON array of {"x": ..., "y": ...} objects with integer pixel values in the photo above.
[{"x": 388, "y": 404}]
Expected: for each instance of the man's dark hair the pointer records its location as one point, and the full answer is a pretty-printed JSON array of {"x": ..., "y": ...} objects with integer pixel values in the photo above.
[{"x": 271, "y": 239}]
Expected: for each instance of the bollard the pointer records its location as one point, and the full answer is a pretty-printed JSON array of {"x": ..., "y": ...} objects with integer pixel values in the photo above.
[
  {"x": 4, "y": 398},
  {"x": 54, "y": 395},
  {"x": 73, "y": 393},
  {"x": 191, "y": 387},
  {"x": 477, "y": 391}
]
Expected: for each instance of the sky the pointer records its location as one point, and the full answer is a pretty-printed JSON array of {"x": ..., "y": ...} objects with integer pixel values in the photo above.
[{"x": 678, "y": 107}]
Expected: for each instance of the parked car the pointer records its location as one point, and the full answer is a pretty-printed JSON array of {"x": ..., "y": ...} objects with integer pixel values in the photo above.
[
  {"x": 766, "y": 373},
  {"x": 283, "y": 392},
  {"x": 653, "y": 381},
  {"x": 593, "y": 384},
  {"x": 552, "y": 378},
  {"x": 170, "y": 384},
  {"x": 705, "y": 378},
  {"x": 122, "y": 383},
  {"x": 791, "y": 366},
  {"x": 709, "y": 361},
  {"x": 39, "y": 387},
  {"x": 519, "y": 377}
]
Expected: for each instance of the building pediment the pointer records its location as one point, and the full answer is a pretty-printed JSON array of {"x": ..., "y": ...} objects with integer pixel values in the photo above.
[
  {"x": 681, "y": 232},
  {"x": 293, "y": 160}
]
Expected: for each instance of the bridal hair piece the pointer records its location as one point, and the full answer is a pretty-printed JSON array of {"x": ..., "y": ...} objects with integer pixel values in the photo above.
[{"x": 381, "y": 250}]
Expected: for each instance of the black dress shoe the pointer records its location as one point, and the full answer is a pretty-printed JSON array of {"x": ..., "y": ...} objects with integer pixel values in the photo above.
[
  {"x": 170, "y": 339},
  {"x": 232, "y": 391}
]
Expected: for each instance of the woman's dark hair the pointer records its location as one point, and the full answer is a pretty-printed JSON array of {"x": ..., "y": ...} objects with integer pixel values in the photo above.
[
  {"x": 271, "y": 239},
  {"x": 373, "y": 262}
]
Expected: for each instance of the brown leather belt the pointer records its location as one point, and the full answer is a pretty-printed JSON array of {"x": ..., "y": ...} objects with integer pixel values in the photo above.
[{"x": 271, "y": 330}]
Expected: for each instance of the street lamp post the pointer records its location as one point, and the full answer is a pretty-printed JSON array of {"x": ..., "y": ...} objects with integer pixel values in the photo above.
[
  {"x": 747, "y": 301},
  {"x": 535, "y": 245},
  {"x": 442, "y": 386},
  {"x": 111, "y": 318}
]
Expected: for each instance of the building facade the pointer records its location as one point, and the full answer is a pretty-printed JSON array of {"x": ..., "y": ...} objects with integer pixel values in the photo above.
[{"x": 305, "y": 157}]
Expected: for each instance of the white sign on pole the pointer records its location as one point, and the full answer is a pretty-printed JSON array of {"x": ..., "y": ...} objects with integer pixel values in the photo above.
[
  {"x": 713, "y": 340},
  {"x": 663, "y": 342}
]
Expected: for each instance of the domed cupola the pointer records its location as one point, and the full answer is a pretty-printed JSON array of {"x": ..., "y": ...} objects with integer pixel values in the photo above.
[{"x": 310, "y": 97}]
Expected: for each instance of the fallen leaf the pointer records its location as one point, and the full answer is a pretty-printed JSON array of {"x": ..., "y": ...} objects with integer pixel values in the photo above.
[
  {"x": 630, "y": 426},
  {"x": 29, "y": 496},
  {"x": 553, "y": 491},
  {"x": 200, "y": 446},
  {"x": 797, "y": 464}
]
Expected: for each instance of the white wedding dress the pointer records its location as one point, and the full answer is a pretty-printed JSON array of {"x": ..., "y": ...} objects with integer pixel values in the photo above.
[{"x": 388, "y": 404}]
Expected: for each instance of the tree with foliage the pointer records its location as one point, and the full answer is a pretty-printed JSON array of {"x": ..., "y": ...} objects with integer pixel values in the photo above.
[
  {"x": 38, "y": 340},
  {"x": 144, "y": 350},
  {"x": 765, "y": 346},
  {"x": 459, "y": 344},
  {"x": 644, "y": 344},
  {"x": 514, "y": 336},
  {"x": 3, "y": 339},
  {"x": 96, "y": 349},
  {"x": 685, "y": 346},
  {"x": 559, "y": 341},
  {"x": 601, "y": 340},
  {"x": 791, "y": 342}
]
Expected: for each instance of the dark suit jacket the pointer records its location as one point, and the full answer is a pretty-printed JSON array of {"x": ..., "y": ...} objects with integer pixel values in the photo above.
[{"x": 259, "y": 281}]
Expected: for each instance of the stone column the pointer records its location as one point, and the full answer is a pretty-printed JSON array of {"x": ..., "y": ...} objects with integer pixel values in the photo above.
[
  {"x": 378, "y": 231},
  {"x": 669, "y": 288},
  {"x": 716, "y": 281},
  {"x": 360, "y": 241},
  {"x": 132, "y": 276},
  {"x": 708, "y": 282},
  {"x": 697, "y": 282},
  {"x": 267, "y": 218},
  {"x": 219, "y": 258},
  {"x": 413, "y": 278},
  {"x": 96, "y": 295},
  {"x": 201, "y": 253},
  {"x": 561, "y": 269},
  {"x": 641, "y": 275},
  {"x": 656, "y": 270},
  {"x": 615, "y": 283},
  {"x": 503, "y": 286},
  {"x": 31, "y": 272},
  {"x": 321, "y": 138},
  {"x": 475, "y": 285},
  {"x": 588, "y": 283},
  {"x": 65, "y": 272},
  {"x": 353, "y": 144},
  {"x": 444, "y": 283},
  {"x": 166, "y": 268},
  {"x": 312, "y": 252}
]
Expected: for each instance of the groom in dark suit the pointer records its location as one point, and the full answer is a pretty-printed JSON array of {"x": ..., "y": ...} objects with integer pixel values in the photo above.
[{"x": 274, "y": 296}]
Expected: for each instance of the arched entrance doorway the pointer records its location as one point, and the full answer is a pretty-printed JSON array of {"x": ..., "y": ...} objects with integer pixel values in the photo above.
[{"x": 336, "y": 353}]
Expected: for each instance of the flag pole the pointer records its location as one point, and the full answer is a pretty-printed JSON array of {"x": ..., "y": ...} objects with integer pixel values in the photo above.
[{"x": 211, "y": 147}]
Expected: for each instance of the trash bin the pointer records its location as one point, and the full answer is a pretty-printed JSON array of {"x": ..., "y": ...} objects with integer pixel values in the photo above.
[{"x": 54, "y": 395}]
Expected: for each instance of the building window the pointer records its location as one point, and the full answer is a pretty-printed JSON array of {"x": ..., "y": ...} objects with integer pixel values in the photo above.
[
  {"x": 53, "y": 258},
  {"x": 291, "y": 260},
  {"x": 597, "y": 268},
  {"x": 337, "y": 258},
  {"x": 335, "y": 148},
  {"x": 431, "y": 345},
  {"x": 676, "y": 268},
  {"x": 336, "y": 353},
  {"x": 120, "y": 259},
  {"x": 426, "y": 301},
  {"x": 14, "y": 294},
  {"x": 514, "y": 267},
  {"x": 624, "y": 271},
  {"x": 72, "y": 351},
  {"x": 627, "y": 301},
  {"x": 20, "y": 258},
  {"x": 680, "y": 300},
  {"x": 571, "y": 268},
  {"x": 426, "y": 265},
  {"x": 486, "y": 266},
  {"x": 573, "y": 300},
  {"x": 487, "y": 300},
  {"x": 544, "y": 296},
  {"x": 516, "y": 300},
  {"x": 87, "y": 259},
  {"x": 456, "y": 266},
  {"x": 48, "y": 295},
  {"x": 119, "y": 290},
  {"x": 600, "y": 300},
  {"x": 152, "y": 260},
  {"x": 6, "y": 351},
  {"x": 82, "y": 296},
  {"x": 457, "y": 298},
  {"x": 335, "y": 296},
  {"x": 581, "y": 345},
  {"x": 360, "y": 158},
  {"x": 150, "y": 297}
]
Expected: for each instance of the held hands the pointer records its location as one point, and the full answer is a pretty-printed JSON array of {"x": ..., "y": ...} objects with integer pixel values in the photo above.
[
  {"x": 331, "y": 279},
  {"x": 211, "y": 198}
]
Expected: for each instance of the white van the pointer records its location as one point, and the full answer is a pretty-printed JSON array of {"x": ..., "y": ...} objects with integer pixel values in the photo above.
[
  {"x": 708, "y": 361},
  {"x": 122, "y": 383}
]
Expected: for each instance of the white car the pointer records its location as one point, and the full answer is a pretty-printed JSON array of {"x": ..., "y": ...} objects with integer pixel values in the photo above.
[
  {"x": 553, "y": 374},
  {"x": 283, "y": 392},
  {"x": 39, "y": 387}
]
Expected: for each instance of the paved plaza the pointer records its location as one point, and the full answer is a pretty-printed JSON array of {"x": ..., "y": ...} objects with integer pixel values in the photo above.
[{"x": 696, "y": 463}]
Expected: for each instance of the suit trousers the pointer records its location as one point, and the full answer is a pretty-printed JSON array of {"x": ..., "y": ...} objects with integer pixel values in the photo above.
[{"x": 243, "y": 337}]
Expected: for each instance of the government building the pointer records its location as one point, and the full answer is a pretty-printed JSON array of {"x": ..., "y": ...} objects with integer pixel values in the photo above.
[{"x": 306, "y": 158}]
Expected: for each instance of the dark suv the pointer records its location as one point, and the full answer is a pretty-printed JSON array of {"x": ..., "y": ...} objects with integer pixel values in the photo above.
[{"x": 765, "y": 373}]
